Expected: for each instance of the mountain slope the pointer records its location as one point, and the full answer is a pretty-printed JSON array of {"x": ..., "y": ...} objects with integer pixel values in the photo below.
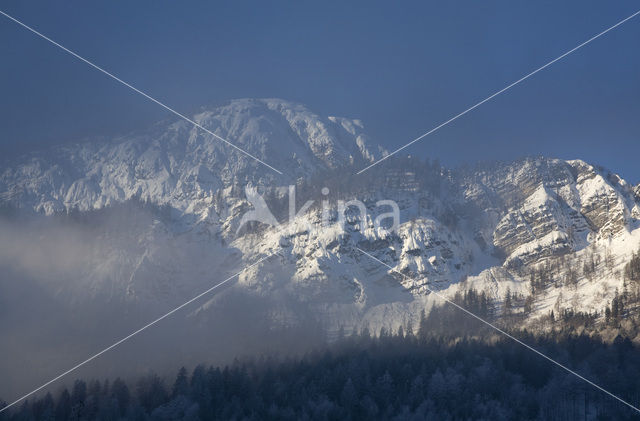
[
  {"x": 175, "y": 163},
  {"x": 528, "y": 228}
]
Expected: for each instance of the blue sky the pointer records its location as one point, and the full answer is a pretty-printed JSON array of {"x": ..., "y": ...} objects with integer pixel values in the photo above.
[{"x": 402, "y": 68}]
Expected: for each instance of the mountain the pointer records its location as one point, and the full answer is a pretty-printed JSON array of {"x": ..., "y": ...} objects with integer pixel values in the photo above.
[
  {"x": 156, "y": 218},
  {"x": 175, "y": 163}
]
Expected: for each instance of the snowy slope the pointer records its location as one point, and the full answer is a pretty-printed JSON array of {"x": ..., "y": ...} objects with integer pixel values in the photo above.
[
  {"x": 486, "y": 228},
  {"x": 175, "y": 163}
]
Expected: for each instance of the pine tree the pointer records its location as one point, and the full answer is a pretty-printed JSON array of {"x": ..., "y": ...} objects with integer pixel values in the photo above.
[
  {"x": 422, "y": 327},
  {"x": 410, "y": 331},
  {"x": 508, "y": 304},
  {"x": 532, "y": 283},
  {"x": 632, "y": 268},
  {"x": 120, "y": 393},
  {"x": 181, "y": 385},
  {"x": 528, "y": 304},
  {"x": 63, "y": 407}
]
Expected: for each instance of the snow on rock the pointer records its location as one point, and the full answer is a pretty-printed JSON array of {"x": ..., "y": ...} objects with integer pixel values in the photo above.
[{"x": 485, "y": 228}]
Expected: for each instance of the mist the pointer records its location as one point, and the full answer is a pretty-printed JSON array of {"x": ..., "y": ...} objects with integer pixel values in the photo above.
[{"x": 70, "y": 286}]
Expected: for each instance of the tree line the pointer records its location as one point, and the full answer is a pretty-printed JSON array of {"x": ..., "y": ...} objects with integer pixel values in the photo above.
[{"x": 392, "y": 376}]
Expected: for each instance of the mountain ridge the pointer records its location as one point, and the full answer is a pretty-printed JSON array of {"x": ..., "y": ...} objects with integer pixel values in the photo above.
[{"x": 493, "y": 229}]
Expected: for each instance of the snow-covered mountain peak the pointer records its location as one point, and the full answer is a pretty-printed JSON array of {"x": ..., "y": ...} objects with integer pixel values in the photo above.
[
  {"x": 486, "y": 227},
  {"x": 178, "y": 164}
]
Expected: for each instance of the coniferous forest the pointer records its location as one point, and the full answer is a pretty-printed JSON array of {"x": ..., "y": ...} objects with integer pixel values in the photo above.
[{"x": 390, "y": 376}]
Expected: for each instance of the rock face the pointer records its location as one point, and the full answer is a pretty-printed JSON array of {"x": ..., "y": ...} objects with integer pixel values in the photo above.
[
  {"x": 548, "y": 207},
  {"x": 486, "y": 228}
]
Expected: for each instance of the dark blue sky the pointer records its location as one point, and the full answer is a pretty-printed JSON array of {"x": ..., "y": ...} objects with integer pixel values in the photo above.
[{"x": 401, "y": 68}]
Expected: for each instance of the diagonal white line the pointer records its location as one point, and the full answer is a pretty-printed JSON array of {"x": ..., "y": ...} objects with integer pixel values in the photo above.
[
  {"x": 149, "y": 97},
  {"x": 499, "y": 92},
  {"x": 131, "y": 335},
  {"x": 503, "y": 332}
]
